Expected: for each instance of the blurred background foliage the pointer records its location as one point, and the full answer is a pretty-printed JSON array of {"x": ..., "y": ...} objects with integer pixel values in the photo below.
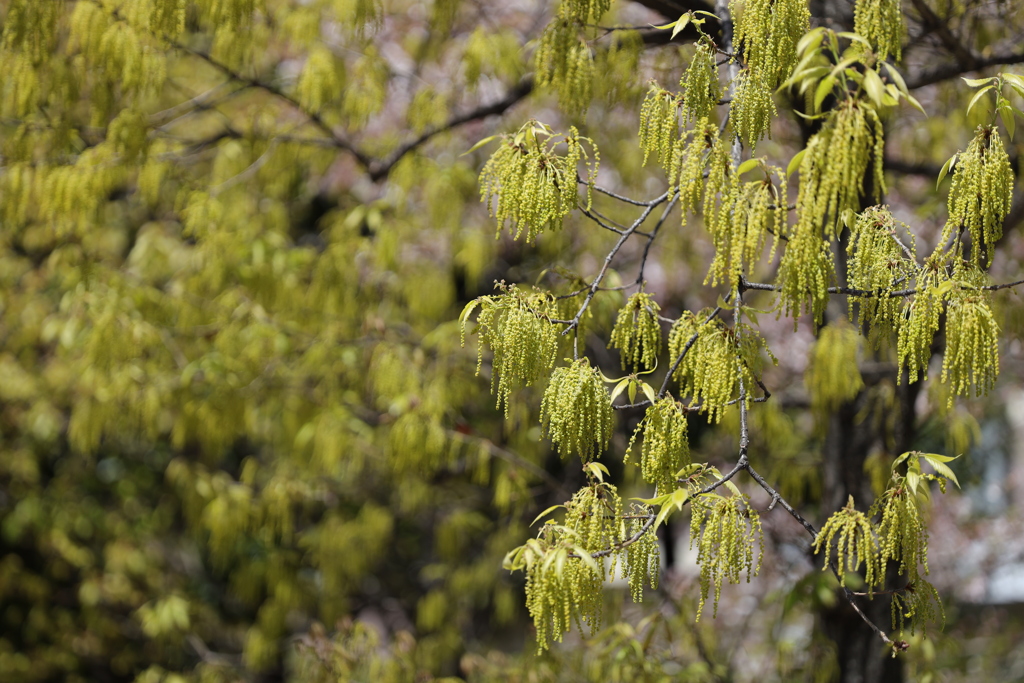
[{"x": 240, "y": 437}]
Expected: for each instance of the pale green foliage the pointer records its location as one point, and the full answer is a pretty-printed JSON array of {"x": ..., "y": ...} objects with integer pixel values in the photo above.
[
  {"x": 576, "y": 412},
  {"x": 980, "y": 195},
  {"x": 165, "y": 301},
  {"x": 490, "y": 52},
  {"x": 856, "y": 545},
  {"x": 725, "y": 530},
  {"x": 535, "y": 188},
  {"x": 833, "y": 376},
  {"x": 515, "y": 326},
  {"x": 881, "y": 23},
  {"x": 618, "y": 63},
  {"x": 428, "y": 109},
  {"x": 357, "y": 15},
  {"x": 665, "y": 448},
  {"x": 322, "y": 80},
  {"x": 701, "y": 90},
  {"x": 564, "y": 62},
  {"x": 637, "y": 332},
  {"x": 110, "y": 45},
  {"x": 712, "y": 368},
  {"x": 740, "y": 222},
  {"x": 365, "y": 89},
  {"x": 879, "y": 264}
]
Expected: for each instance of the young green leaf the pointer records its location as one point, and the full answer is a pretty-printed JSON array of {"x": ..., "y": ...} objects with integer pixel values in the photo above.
[
  {"x": 545, "y": 513},
  {"x": 977, "y": 96},
  {"x": 794, "y": 163}
]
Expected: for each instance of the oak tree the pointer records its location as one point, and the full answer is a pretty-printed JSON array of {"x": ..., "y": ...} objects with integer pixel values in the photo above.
[{"x": 241, "y": 438}]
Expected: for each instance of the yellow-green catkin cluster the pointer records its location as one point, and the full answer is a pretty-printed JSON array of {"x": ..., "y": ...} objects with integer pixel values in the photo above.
[
  {"x": 879, "y": 263},
  {"x": 576, "y": 412},
  {"x": 848, "y": 149},
  {"x": 920, "y": 320},
  {"x": 766, "y": 34},
  {"x": 740, "y": 223},
  {"x": 701, "y": 89},
  {"x": 637, "y": 332},
  {"x": 593, "y": 515},
  {"x": 902, "y": 534},
  {"x": 516, "y": 326},
  {"x": 710, "y": 371},
  {"x": 880, "y": 22},
  {"x": 980, "y": 195},
  {"x": 31, "y": 28},
  {"x": 855, "y": 544},
  {"x": 559, "y": 589},
  {"x": 752, "y": 108},
  {"x": 643, "y": 557},
  {"x": 659, "y": 123},
  {"x": 584, "y": 10},
  {"x": 698, "y": 149},
  {"x": 971, "y": 358},
  {"x": 837, "y": 159},
  {"x": 918, "y": 603},
  {"x": 665, "y": 448},
  {"x": 892, "y": 530},
  {"x": 725, "y": 531},
  {"x": 564, "y": 579},
  {"x": 534, "y": 187},
  {"x": 806, "y": 271},
  {"x": 564, "y": 63},
  {"x": 833, "y": 376}
]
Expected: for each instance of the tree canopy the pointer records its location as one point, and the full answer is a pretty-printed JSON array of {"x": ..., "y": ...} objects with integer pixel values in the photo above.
[{"x": 247, "y": 434}]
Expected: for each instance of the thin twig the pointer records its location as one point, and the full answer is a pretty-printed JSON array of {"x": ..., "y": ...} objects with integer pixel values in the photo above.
[
  {"x": 777, "y": 498},
  {"x": 634, "y": 202},
  {"x": 653, "y": 235},
  {"x": 595, "y": 285},
  {"x": 682, "y": 354}
]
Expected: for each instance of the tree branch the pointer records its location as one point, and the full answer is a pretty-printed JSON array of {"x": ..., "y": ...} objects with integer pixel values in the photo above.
[
  {"x": 948, "y": 71},
  {"x": 379, "y": 170},
  {"x": 596, "y": 284},
  {"x": 777, "y": 498}
]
